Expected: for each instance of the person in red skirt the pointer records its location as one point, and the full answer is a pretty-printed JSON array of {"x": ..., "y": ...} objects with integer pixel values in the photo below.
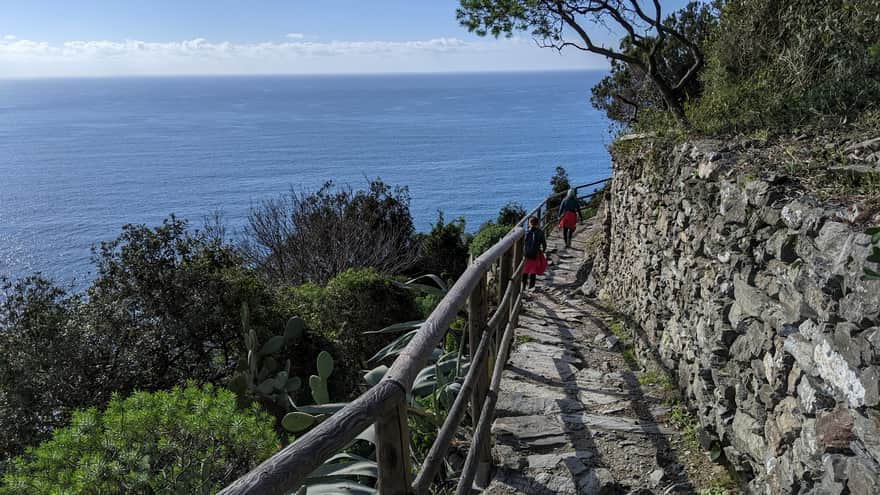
[
  {"x": 569, "y": 212},
  {"x": 534, "y": 246}
]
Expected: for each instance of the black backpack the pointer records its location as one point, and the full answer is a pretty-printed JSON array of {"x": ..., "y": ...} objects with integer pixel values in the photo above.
[{"x": 532, "y": 243}]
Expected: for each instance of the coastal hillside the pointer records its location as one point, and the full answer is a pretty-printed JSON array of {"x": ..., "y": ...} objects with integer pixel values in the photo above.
[{"x": 505, "y": 314}]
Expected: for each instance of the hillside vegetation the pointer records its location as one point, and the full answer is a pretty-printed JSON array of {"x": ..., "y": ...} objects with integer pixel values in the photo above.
[
  {"x": 715, "y": 66},
  {"x": 192, "y": 357}
]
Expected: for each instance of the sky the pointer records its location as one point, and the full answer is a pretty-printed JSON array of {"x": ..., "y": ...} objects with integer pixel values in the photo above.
[{"x": 77, "y": 38}]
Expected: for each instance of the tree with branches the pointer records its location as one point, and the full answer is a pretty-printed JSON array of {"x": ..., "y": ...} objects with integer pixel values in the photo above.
[
  {"x": 651, "y": 46},
  {"x": 311, "y": 236}
]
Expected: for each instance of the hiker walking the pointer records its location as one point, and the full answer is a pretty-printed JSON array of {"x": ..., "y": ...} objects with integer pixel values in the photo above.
[
  {"x": 569, "y": 212},
  {"x": 534, "y": 246}
]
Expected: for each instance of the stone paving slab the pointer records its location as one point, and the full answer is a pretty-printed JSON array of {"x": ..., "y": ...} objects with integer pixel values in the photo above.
[{"x": 571, "y": 417}]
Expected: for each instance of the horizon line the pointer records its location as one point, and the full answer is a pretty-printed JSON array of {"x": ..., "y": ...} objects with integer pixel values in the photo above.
[{"x": 305, "y": 74}]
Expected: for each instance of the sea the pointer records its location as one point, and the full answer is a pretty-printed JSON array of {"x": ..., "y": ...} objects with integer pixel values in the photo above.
[{"x": 80, "y": 158}]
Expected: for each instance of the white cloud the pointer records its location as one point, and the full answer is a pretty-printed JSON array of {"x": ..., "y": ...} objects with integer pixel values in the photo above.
[
  {"x": 27, "y": 58},
  {"x": 294, "y": 36},
  {"x": 10, "y": 37}
]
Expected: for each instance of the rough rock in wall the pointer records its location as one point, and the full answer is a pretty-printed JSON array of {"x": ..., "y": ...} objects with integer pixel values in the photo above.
[{"x": 751, "y": 291}]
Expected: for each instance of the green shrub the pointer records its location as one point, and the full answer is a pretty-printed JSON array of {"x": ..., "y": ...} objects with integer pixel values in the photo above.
[
  {"x": 510, "y": 213},
  {"x": 781, "y": 64},
  {"x": 426, "y": 303},
  {"x": 47, "y": 365},
  {"x": 356, "y": 301},
  {"x": 184, "y": 440},
  {"x": 488, "y": 235},
  {"x": 559, "y": 185},
  {"x": 591, "y": 206},
  {"x": 171, "y": 298},
  {"x": 362, "y": 300},
  {"x": 163, "y": 309},
  {"x": 443, "y": 249}
]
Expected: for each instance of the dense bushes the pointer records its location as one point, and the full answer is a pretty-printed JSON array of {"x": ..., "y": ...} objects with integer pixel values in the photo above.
[
  {"x": 185, "y": 440},
  {"x": 510, "y": 213},
  {"x": 173, "y": 295},
  {"x": 486, "y": 237},
  {"x": 352, "y": 303},
  {"x": 443, "y": 249},
  {"x": 775, "y": 64},
  {"x": 163, "y": 309},
  {"x": 312, "y": 236},
  {"x": 47, "y": 363}
]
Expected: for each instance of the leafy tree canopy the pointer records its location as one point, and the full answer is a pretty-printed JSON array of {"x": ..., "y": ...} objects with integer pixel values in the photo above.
[{"x": 184, "y": 440}]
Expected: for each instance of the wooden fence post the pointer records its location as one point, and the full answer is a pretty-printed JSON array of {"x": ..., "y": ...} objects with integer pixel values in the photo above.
[
  {"x": 392, "y": 438},
  {"x": 504, "y": 272},
  {"x": 478, "y": 314},
  {"x": 517, "y": 259}
]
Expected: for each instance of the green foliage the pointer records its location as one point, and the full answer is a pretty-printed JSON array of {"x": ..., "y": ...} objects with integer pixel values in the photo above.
[
  {"x": 793, "y": 63},
  {"x": 426, "y": 303},
  {"x": 488, "y": 235},
  {"x": 261, "y": 375},
  {"x": 46, "y": 367},
  {"x": 510, "y": 213},
  {"x": 170, "y": 297},
  {"x": 354, "y": 302},
  {"x": 629, "y": 97},
  {"x": 311, "y": 236},
  {"x": 318, "y": 383},
  {"x": 443, "y": 249},
  {"x": 560, "y": 182},
  {"x": 163, "y": 309},
  {"x": 184, "y": 440}
]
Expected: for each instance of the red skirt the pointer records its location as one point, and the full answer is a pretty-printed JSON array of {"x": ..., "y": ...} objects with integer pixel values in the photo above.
[
  {"x": 569, "y": 220},
  {"x": 535, "y": 265}
]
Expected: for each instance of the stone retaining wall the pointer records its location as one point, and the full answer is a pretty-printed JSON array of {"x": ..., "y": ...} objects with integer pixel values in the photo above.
[{"x": 752, "y": 293}]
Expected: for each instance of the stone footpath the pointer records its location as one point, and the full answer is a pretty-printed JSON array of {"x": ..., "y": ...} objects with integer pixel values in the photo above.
[{"x": 572, "y": 417}]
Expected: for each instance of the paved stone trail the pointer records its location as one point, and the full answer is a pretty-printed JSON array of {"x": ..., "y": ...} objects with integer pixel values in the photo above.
[{"x": 572, "y": 417}]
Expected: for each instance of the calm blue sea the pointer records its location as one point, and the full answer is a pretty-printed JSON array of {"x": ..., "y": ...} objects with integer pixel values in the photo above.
[{"x": 80, "y": 158}]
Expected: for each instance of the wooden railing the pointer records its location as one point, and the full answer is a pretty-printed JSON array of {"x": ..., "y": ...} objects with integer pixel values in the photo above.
[{"x": 385, "y": 404}]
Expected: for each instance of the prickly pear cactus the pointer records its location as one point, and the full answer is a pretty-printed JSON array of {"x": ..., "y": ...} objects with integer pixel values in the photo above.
[
  {"x": 264, "y": 375},
  {"x": 318, "y": 383}
]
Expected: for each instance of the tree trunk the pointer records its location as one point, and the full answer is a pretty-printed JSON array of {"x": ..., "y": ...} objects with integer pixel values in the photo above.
[{"x": 672, "y": 102}]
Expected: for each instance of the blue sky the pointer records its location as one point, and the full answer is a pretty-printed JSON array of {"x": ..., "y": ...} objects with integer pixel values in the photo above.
[{"x": 127, "y": 37}]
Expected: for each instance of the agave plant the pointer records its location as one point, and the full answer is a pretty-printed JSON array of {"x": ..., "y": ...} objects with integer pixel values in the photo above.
[
  {"x": 433, "y": 392},
  {"x": 439, "y": 288}
]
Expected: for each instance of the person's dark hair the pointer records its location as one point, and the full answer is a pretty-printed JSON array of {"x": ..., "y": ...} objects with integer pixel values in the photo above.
[{"x": 533, "y": 221}]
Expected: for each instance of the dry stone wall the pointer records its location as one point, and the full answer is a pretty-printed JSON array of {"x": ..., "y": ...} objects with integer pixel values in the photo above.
[{"x": 751, "y": 291}]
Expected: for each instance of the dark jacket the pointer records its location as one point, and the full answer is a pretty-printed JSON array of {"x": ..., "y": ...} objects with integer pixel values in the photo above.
[
  {"x": 571, "y": 204},
  {"x": 534, "y": 242}
]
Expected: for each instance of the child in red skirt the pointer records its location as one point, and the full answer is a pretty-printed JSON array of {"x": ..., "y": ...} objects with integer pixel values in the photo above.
[
  {"x": 569, "y": 212},
  {"x": 534, "y": 246}
]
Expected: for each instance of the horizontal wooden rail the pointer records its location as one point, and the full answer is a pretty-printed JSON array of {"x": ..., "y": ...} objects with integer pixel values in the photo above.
[
  {"x": 285, "y": 471},
  {"x": 415, "y": 355},
  {"x": 384, "y": 405}
]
